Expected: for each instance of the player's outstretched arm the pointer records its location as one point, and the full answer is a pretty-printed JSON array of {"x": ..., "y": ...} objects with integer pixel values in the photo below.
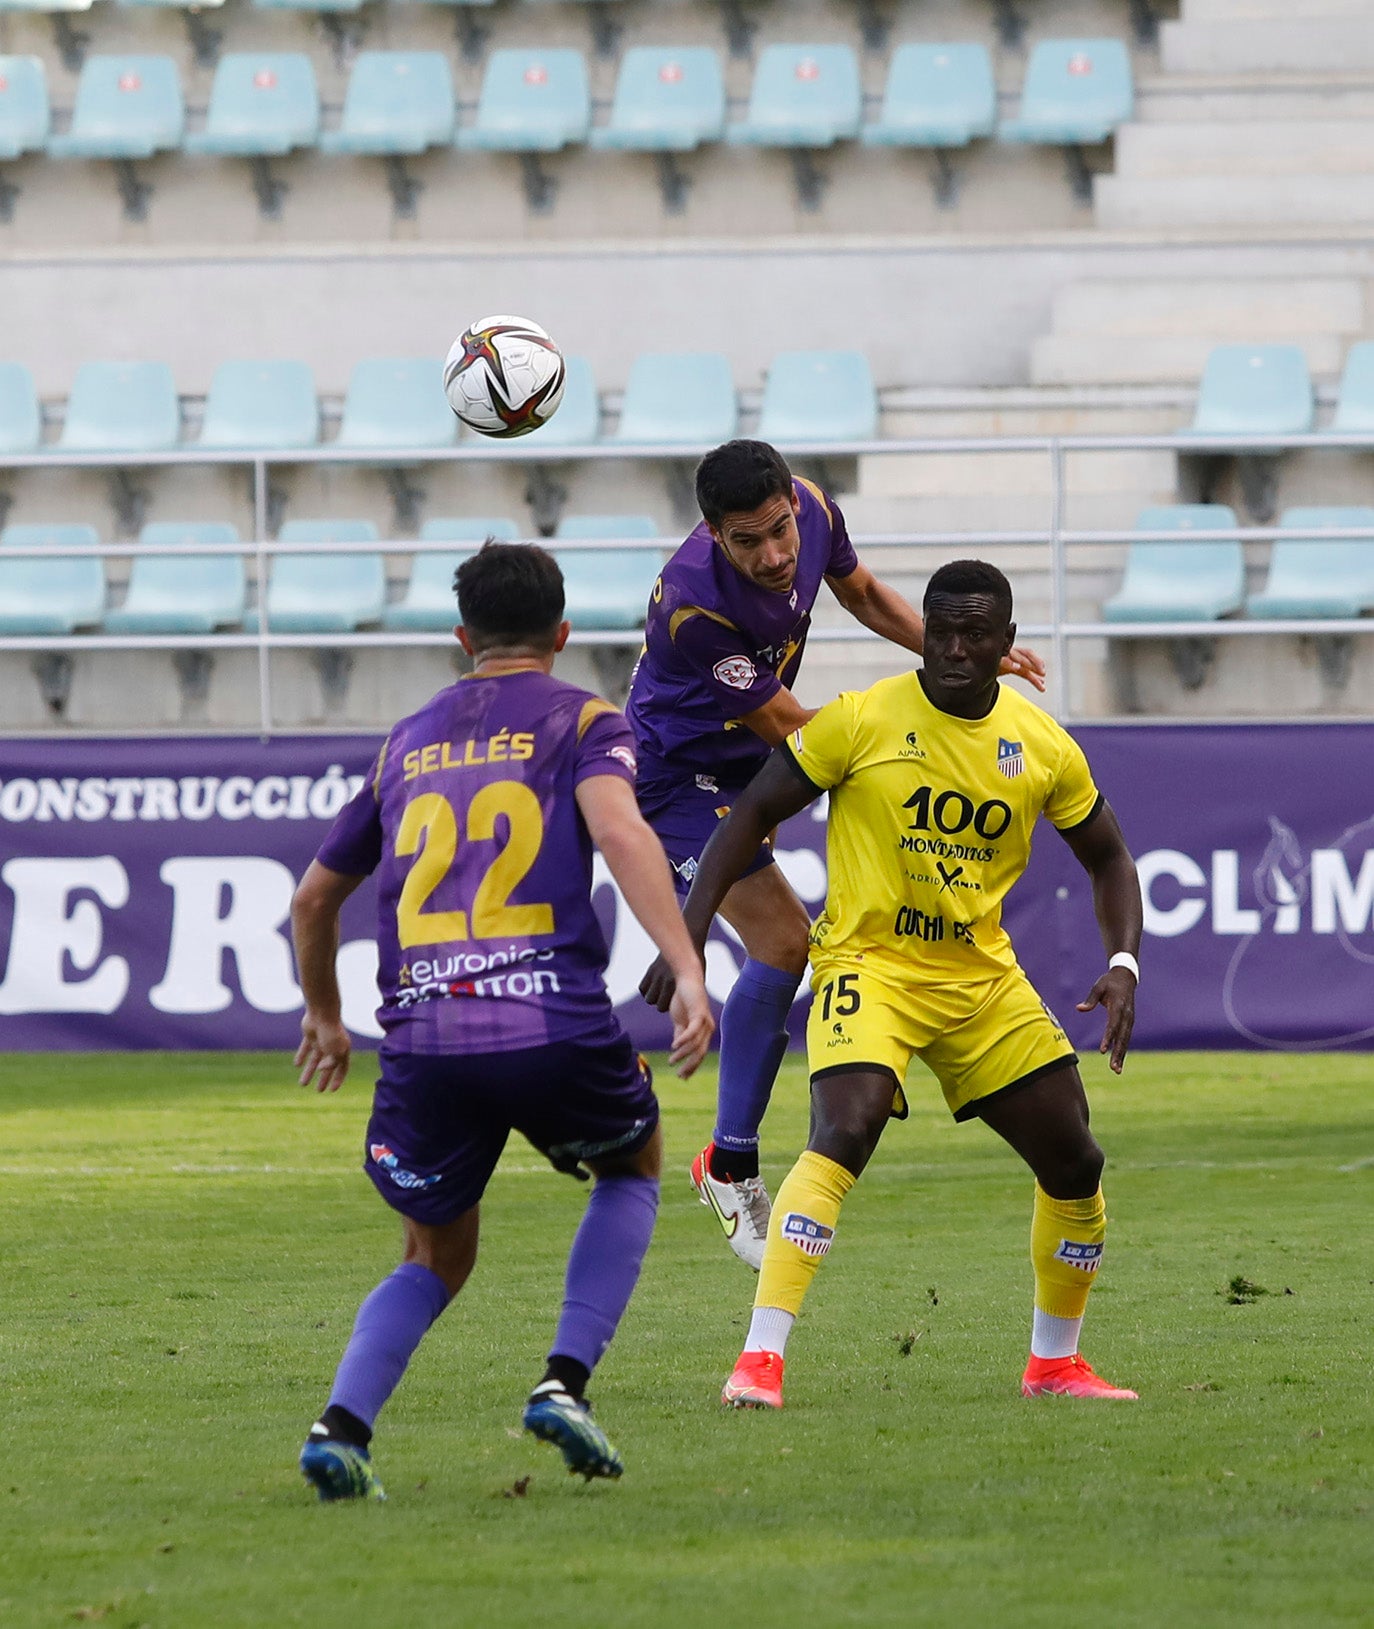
[
  {"x": 325, "y": 1046},
  {"x": 777, "y": 792},
  {"x": 1101, "y": 850},
  {"x": 638, "y": 864}
]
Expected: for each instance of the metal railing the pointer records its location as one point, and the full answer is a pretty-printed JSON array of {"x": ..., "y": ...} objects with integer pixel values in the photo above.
[{"x": 1057, "y": 538}]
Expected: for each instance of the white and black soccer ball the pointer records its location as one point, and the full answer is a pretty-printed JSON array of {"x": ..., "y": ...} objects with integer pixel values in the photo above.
[{"x": 504, "y": 376}]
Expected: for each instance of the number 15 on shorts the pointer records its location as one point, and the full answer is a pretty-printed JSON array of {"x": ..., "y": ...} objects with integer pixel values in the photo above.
[{"x": 840, "y": 996}]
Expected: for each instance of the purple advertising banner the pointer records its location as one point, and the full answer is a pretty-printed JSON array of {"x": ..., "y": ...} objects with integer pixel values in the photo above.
[{"x": 145, "y": 887}]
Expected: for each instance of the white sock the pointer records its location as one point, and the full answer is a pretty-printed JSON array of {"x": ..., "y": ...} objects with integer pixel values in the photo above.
[
  {"x": 769, "y": 1329},
  {"x": 1053, "y": 1337}
]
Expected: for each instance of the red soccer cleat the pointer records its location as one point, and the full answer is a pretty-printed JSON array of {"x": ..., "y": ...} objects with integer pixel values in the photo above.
[
  {"x": 756, "y": 1382},
  {"x": 1067, "y": 1377}
]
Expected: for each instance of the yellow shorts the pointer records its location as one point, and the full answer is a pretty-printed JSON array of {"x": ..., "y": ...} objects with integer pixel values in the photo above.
[{"x": 977, "y": 1039}]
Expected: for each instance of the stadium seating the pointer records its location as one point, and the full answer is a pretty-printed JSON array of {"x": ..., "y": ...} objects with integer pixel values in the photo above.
[
  {"x": 578, "y": 419},
  {"x": 428, "y": 605},
  {"x": 261, "y": 405},
  {"x": 936, "y": 96},
  {"x": 1180, "y": 582},
  {"x": 21, "y": 421},
  {"x": 396, "y": 102},
  {"x": 262, "y": 104},
  {"x": 1254, "y": 390},
  {"x": 121, "y": 407},
  {"x": 1316, "y": 577},
  {"x": 126, "y": 107},
  {"x": 667, "y": 99},
  {"x": 25, "y": 118},
  {"x": 802, "y": 96},
  {"x": 184, "y": 593},
  {"x": 324, "y": 593},
  {"x": 309, "y": 5},
  {"x": 608, "y": 590},
  {"x": 397, "y": 403},
  {"x": 679, "y": 398},
  {"x": 531, "y": 101},
  {"x": 1355, "y": 403},
  {"x": 819, "y": 396},
  {"x": 52, "y": 594},
  {"x": 1075, "y": 92}
]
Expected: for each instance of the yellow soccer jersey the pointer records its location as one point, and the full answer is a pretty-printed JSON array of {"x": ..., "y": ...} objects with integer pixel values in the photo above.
[{"x": 930, "y": 824}]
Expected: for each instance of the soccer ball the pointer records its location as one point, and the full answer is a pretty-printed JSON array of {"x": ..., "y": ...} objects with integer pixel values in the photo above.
[{"x": 504, "y": 377}]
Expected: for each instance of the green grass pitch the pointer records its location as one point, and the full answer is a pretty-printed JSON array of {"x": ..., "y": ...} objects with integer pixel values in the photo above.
[{"x": 186, "y": 1239}]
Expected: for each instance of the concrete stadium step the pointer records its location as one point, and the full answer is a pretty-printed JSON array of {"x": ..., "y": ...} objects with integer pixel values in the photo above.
[
  {"x": 1214, "y": 308},
  {"x": 1265, "y": 147},
  {"x": 1129, "y": 202},
  {"x": 1307, "y": 38},
  {"x": 1059, "y": 359},
  {"x": 943, "y": 476},
  {"x": 1245, "y": 11}
]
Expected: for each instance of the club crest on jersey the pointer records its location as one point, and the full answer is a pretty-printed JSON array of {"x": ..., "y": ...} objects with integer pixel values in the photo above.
[
  {"x": 688, "y": 869},
  {"x": 1011, "y": 760},
  {"x": 623, "y": 755},
  {"x": 707, "y": 783},
  {"x": 1087, "y": 1258},
  {"x": 387, "y": 1161},
  {"x": 736, "y": 671},
  {"x": 811, "y": 1237}
]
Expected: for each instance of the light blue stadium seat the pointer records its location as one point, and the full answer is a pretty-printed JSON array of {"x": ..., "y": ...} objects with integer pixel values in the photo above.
[
  {"x": 262, "y": 104},
  {"x": 21, "y": 420},
  {"x": 667, "y": 99},
  {"x": 264, "y": 405},
  {"x": 121, "y": 407},
  {"x": 802, "y": 96},
  {"x": 324, "y": 593},
  {"x": 1254, "y": 389},
  {"x": 1180, "y": 582},
  {"x": 54, "y": 594},
  {"x": 1315, "y": 577},
  {"x": 126, "y": 107},
  {"x": 397, "y": 102},
  {"x": 429, "y": 604},
  {"x": 25, "y": 118},
  {"x": 608, "y": 589},
  {"x": 531, "y": 102},
  {"x": 309, "y": 5},
  {"x": 1076, "y": 92},
  {"x": 44, "y": 8},
  {"x": 578, "y": 419},
  {"x": 679, "y": 397},
  {"x": 819, "y": 396},
  {"x": 936, "y": 96},
  {"x": 190, "y": 593},
  {"x": 397, "y": 402},
  {"x": 1355, "y": 404}
]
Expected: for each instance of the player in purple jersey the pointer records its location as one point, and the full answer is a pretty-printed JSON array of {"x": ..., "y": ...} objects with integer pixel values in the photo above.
[
  {"x": 479, "y": 818},
  {"x": 709, "y": 700}
]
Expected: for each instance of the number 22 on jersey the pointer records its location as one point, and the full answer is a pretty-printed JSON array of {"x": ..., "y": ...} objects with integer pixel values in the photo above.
[{"x": 429, "y": 830}]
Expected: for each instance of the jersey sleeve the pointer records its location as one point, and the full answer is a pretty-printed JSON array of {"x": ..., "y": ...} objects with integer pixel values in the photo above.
[
  {"x": 1074, "y": 797},
  {"x": 353, "y": 846},
  {"x": 605, "y": 744},
  {"x": 843, "y": 559},
  {"x": 822, "y": 748},
  {"x": 715, "y": 651}
]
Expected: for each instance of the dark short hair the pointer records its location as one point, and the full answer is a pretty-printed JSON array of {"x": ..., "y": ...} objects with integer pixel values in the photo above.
[
  {"x": 510, "y": 594},
  {"x": 970, "y": 577},
  {"x": 738, "y": 476}
]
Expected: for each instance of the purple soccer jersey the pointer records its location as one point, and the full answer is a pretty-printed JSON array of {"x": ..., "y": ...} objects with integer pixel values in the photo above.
[
  {"x": 487, "y": 940},
  {"x": 717, "y": 646}
]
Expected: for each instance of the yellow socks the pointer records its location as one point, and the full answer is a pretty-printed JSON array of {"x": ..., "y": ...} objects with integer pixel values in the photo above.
[
  {"x": 805, "y": 1212},
  {"x": 1066, "y": 1247}
]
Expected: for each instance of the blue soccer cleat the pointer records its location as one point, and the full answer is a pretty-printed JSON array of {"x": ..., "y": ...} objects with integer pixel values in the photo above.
[
  {"x": 554, "y": 1415},
  {"x": 338, "y": 1470}
]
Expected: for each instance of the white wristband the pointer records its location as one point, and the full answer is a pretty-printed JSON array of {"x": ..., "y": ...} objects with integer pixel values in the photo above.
[{"x": 1123, "y": 958}]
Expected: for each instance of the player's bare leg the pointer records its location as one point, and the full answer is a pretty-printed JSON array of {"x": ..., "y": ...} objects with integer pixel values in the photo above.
[
  {"x": 773, "y": 924},
  {"x": 1046, "y": 1123},
  {"x": 848, "y": 1113}
]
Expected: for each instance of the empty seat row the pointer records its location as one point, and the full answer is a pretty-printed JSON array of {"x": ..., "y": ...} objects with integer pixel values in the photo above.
[
  {"x": 182, "y": 591},
  {"x": 667, "y": 98},
  {"x": 1200, "y": 582},
  {"x": 682, "y": 399},
  {"x": 1267, "y": 390}
]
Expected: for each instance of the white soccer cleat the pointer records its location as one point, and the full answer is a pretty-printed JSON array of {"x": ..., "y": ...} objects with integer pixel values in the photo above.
[{"x": 741, "y": 1208}]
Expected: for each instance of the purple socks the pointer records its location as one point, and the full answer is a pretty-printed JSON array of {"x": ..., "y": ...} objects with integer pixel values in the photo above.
[
  {"x": 603, "y": 1266},
  {"x": 753, "y": 1038},
  {"x": 390, "y": 1324}
]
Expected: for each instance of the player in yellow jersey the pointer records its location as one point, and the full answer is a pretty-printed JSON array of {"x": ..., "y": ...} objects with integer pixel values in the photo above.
[{"x": 936, "y": 779}]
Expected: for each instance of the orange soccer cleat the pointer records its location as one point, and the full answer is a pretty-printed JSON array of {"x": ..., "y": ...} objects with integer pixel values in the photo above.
[
  {"x": 1067, "y": 1377},
  {"x": 756, "y": 1382}
]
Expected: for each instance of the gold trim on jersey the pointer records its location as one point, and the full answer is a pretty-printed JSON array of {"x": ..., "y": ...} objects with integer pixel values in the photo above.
[
  {"x": 818, "y": 495},
  {"x": 591, "y": 711},
  {"x": 686, "y": 612}
]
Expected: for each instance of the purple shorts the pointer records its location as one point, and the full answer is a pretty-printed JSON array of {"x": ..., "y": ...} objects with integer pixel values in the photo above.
[
  {"x": 683, "y": 812},
  {"x": 439, "y": 1123}
]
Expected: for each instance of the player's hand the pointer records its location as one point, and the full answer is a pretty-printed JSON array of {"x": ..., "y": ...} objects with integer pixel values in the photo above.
[
  {"x": 1022, "y": 662},
  {"x": 658, "y": 984},
  {"x": 693, "y": 1025},
  {"x": 1115, "y": 991},
  {"x": 323, "y": 1053}
]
